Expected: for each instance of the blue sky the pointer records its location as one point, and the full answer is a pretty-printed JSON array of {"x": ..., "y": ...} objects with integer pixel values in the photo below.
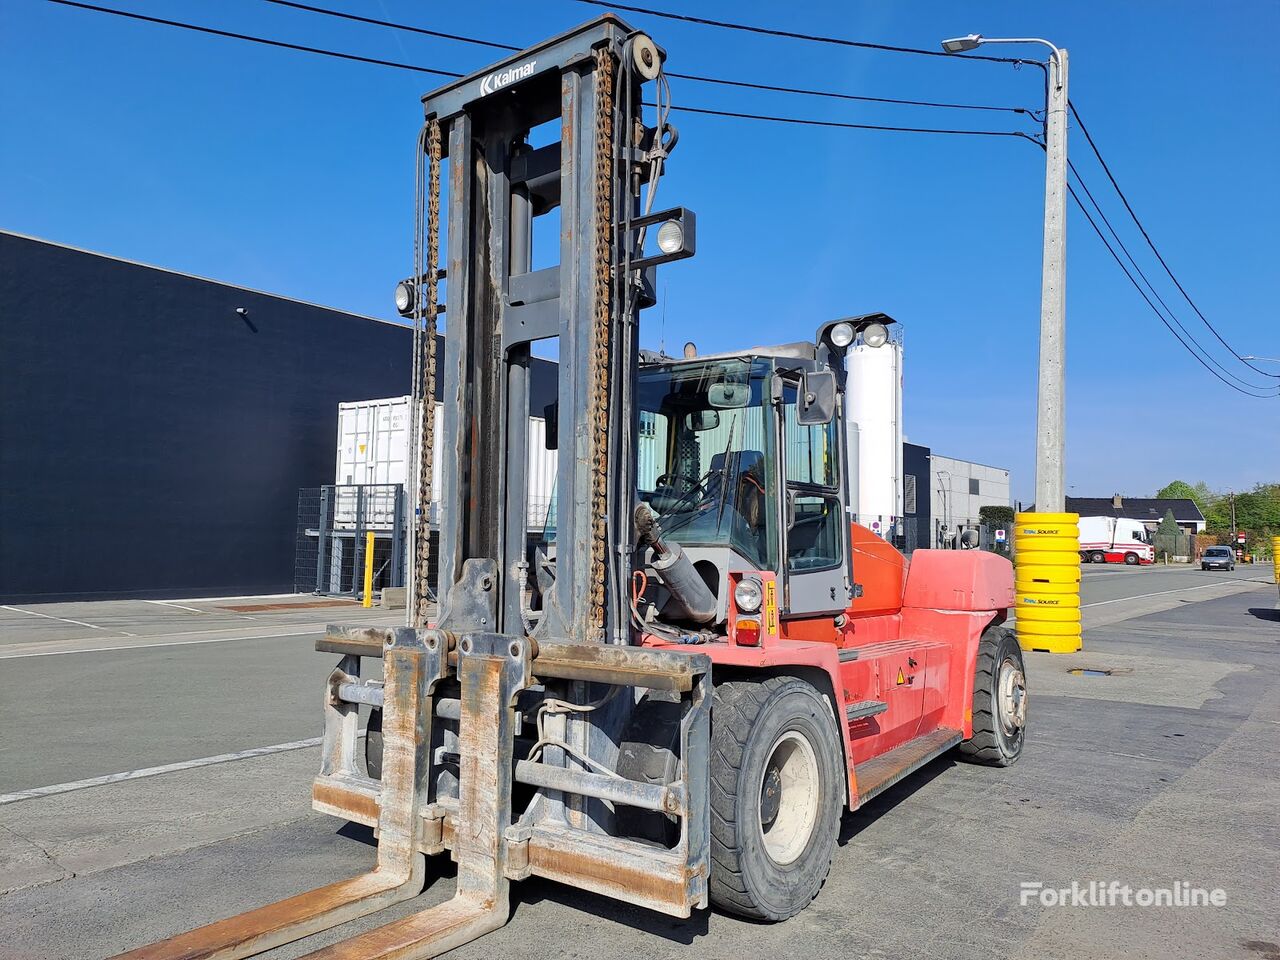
[{"x": 293, "y": 173}]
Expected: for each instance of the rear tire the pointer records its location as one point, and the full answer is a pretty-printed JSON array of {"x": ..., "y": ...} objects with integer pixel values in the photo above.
[
  {"x": 777, "y": 785},
  {"x": 999, "y": 701},
  {"x": 1098, "y": 557}
]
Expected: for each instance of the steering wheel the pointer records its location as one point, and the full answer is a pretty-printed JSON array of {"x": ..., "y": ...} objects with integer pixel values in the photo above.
[{"x": 681, "y": 486}]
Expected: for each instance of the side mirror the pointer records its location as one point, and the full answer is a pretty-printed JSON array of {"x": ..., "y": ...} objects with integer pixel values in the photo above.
[
  {"x": 817, "y": 401},
  {"x": 701, "y": 420}
]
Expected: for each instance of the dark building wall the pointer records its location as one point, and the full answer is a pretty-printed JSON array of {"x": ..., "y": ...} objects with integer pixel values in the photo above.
[
  {"x": 152, "y": 441},
  {"x": 915, "y": 463}
]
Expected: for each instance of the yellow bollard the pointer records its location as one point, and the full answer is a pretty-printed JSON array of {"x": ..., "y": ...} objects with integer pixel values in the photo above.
[
  {"x": 1047, "y": 581},
  {"x": 368, "y": 569}
]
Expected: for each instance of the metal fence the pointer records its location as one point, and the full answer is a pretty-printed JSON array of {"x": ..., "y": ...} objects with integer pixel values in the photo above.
[{"x": 332, "y": 533}]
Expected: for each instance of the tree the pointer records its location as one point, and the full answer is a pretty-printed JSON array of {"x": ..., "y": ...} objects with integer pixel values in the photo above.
[
  {"x": 1181, "y": 490},
  {"x": 998, "y": 518},
  {"x": 1168, "y": 536}
]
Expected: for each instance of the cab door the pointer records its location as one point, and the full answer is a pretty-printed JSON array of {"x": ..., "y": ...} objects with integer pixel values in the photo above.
[{"x": 816, "y": 550}]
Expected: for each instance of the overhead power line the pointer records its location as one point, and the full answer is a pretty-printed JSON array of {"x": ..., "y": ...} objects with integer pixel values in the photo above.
[
  {"x": 698, "y": 110},
  {"x": 802, "y": 121},
  {"x": 252, "y": 39},
  {"x": 477, "y": 41},
  {"x": 1168, "y": 310},
  {"x": 810, "y": 37},
  {"x": 356, "y": 18},
  {"x": 1143, "y": 293},
  {"x": 1150, "y": 243}
]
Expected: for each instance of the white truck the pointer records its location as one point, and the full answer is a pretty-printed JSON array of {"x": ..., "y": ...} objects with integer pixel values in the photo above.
[{"x": 1114, "y": 540}]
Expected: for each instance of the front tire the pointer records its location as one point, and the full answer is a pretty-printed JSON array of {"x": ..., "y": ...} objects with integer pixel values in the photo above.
[
  {"x": 777, "y": 785},
  {"x": 999, "y": 701},
  {"x": 1131, "y": 559}
]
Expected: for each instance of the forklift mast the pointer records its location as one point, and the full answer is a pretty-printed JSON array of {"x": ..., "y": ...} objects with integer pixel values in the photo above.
[{"x": 588, "y": 82}]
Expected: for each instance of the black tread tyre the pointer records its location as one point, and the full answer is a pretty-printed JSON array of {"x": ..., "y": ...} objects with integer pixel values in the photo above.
[
  {"x": 1131, "y": 559},
  {"x": 1097, "y": 557},
  {"x": 373, "y": 744},
  {"x": 772, "y": 839},
  {"x": 998, "y": 731}
]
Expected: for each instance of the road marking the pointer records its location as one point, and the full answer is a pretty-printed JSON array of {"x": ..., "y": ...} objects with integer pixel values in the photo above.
[
  {"x": 79, "y": 623},
  {"x": 16, "y": 654},
  {"x": 170, "y": 603},
  {"x": 1162, "y": 593},
  {"x": 157, "y": 771}
]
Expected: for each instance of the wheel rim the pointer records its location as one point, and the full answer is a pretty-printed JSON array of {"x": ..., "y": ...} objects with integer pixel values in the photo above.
[
  {"x": 1013, "y": 697},
  {"x": 789, "y": 798}
]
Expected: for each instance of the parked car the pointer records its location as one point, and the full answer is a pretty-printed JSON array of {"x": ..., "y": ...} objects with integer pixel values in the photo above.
[{"x": 1218, "y": 558}]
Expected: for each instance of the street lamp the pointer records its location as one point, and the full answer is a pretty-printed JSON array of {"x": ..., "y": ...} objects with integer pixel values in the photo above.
[{"x": 1051, "y": 408}]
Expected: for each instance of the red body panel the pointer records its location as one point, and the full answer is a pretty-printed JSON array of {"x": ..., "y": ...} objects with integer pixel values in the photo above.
[{"x": 916, "y": 655}]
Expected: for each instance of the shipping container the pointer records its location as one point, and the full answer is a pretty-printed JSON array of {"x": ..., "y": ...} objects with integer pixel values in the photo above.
[{"x": 373, "y": 448}]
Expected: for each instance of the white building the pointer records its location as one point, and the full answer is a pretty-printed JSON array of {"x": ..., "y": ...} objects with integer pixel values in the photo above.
[{"x": 958, "y": 490}]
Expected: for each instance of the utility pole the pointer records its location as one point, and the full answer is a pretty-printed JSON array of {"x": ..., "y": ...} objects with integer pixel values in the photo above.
[
  {"x": 1051, "y": 413},
  {"x": 1233, "y": 520}
]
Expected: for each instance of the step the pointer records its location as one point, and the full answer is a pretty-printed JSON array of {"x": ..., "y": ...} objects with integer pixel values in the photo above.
[
  {"x": 880, "y": 773},
  {"x": 865, "y": 708}
]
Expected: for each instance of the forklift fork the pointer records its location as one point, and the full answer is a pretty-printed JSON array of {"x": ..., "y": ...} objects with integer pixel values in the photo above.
[{"x": 414, "y": 665}]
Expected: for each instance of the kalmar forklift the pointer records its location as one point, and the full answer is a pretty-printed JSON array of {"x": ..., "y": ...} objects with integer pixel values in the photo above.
[{"x": 675, "y": 699}]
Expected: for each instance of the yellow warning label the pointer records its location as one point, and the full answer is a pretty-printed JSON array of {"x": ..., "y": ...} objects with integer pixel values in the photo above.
[
  {"x": 901, "y": 678},
  {"x": 771, "y": 607},
  {"x": 362, "y": 448}
]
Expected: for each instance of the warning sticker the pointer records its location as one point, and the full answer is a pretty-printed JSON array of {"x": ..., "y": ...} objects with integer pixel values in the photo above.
[
  {"x": 771, "y": 607},
  {"x": 901, "y": 677}
]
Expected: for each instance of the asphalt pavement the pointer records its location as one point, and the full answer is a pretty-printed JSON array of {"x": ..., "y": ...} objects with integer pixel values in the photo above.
[{"x": 1156, "y": 762}]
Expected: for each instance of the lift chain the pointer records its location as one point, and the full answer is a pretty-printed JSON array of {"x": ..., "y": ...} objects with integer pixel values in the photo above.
[
  {"x": 427, "y": 381},
  {"x": 598, "y": 397}
]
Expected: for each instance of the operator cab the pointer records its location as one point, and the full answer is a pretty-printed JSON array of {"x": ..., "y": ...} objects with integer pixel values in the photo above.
[{"x": 741, "y": 462}]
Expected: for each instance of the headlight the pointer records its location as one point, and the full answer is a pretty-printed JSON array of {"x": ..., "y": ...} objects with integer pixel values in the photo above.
[
  {"x": 841, "y": 335},
  {"x": 670, "y": 237},
  {"x": 404, "y": 298},
  {"x": 875, "y": 334},
  {"x": 748, "y": 594}
]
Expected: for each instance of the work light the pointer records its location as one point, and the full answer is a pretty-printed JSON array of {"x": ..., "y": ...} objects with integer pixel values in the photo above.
[
  {"x": 670, "y": 236},
  {"x": 404, "y": 298},
  {"x": 875, "y": 334},
  {"x": 748, "y": 594},
  {"x": 841, "y": 335}
]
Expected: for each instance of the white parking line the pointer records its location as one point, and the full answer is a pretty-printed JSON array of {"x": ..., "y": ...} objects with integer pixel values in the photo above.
[
  {"x": 170, "y": 603},
  {"x": 1162, "y": 593},
  {"x": 78, "y": 623},
  {"x": 15, "y": 651},
  {"x": 156, "y": 771}
]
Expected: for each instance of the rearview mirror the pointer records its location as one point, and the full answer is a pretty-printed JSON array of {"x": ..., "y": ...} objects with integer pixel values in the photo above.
[
  {"x": 729, "y": 395},
  {"x": 817, "y": 401},
  {"x": 701, "y": 420}
]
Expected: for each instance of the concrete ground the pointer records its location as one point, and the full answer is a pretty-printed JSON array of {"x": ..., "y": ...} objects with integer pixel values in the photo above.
[{"x": 1163, "y": 770}]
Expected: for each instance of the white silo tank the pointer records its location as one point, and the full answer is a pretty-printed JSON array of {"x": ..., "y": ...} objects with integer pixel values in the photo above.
[{"x": 873, "y": 401}]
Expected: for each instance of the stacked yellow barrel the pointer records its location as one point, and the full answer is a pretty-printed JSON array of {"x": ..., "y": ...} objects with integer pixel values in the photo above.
[
  {"x": 1275, "y": 557},
  {"x": 1047, "y": 581}
]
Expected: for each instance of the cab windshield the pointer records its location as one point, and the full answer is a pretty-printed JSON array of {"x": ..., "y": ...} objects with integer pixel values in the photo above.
[{"x": 701, "y": 451}]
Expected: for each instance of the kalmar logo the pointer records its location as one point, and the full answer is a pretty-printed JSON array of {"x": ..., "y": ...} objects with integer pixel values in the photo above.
[{"x": 496, "y": 81}]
